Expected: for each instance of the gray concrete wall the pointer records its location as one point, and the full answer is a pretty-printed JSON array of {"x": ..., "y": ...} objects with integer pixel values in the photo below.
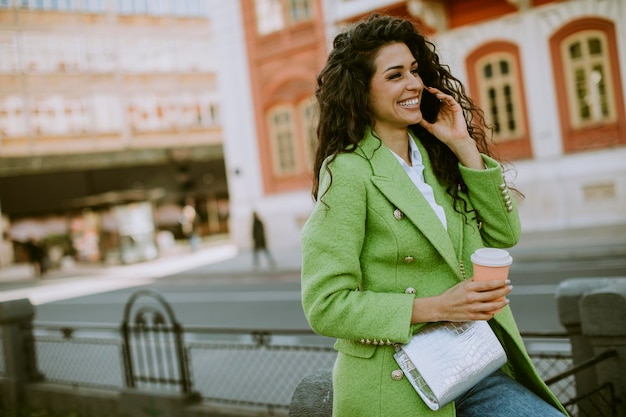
[{"x": 62, "y": 401}]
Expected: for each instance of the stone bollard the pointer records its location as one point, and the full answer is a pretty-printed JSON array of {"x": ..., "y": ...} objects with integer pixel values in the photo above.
[
  {"x": 603, "y": 321},
  {"x": 16, "y": 318},
  {"x": 313, "y": 396},
  {"x": 569, "y": 294}
]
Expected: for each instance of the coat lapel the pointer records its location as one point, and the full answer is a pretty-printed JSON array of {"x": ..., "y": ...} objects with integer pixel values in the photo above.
[{"x": 394, "y": 183}]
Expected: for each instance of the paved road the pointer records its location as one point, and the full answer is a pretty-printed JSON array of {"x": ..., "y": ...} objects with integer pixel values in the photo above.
[
  {"x": 218, "y": 286},
  {"x": 204, "y": 297},
  {"x": 535, "y": 284}
]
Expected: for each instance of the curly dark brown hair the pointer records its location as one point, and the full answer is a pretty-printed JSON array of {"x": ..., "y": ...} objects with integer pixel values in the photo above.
[{"x": 343, "y": 94}]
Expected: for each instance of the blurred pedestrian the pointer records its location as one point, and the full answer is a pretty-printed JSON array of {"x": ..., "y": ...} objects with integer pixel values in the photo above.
[
  {"x": 36, "y": 256},
  {"x": 260, "y": 245},
  {"x": 189, "y": 222}
]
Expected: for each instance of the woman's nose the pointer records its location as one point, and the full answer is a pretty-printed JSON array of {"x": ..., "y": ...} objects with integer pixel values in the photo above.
[{"x": 415, "y": 83}]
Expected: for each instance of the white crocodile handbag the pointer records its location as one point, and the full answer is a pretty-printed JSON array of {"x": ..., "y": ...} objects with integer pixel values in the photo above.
[{"x": 445, "y": 360}]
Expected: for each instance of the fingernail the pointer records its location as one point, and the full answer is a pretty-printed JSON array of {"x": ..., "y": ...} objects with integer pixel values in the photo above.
[
  {"x": 508, "y": 281},
  {"x": 510, "y": 288}
]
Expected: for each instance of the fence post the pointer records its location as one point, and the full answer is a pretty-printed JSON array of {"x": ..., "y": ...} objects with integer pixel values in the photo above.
[
  {"x": 16, "y": 321},
  {"x": 603, "y": 320}
]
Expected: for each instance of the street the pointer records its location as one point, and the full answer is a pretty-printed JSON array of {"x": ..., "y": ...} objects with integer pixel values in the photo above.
[
  {"x": 204, "y": 296},
  {"x": 217, "y": 287},
  {"x": 535, "y": 283}
]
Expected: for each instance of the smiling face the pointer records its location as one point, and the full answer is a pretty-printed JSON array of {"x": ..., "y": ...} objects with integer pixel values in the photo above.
[{"x": 395, "y": 89}]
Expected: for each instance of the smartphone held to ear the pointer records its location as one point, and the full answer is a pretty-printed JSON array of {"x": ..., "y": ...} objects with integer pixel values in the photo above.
[{"x": 429, "y": 106}]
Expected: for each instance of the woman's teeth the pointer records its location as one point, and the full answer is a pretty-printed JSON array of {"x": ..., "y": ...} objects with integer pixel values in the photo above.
[{"x": 409, "y": 103}]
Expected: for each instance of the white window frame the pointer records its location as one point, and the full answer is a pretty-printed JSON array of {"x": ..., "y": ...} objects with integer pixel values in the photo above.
[
  {"x": 308, "y": 118},
  {"x": 14, "y": 124},
  {"x": 9, "y": 62},
  {"x": 300, "y": 10},
  {"x": 269, "y": 16},
  {"x": 587, "y": 64},
  {"x": 282, "y": 136},
  {"x": 498, "y": 82},
  {"x": 107, "y": 114}
]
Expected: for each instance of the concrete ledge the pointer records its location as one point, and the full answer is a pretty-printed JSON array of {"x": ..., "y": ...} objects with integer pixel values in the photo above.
[
  {"x": 603, "y": 311},
  {"x": 62, "y": 400},
  {"x": 313, "y": 396},
  {"x": 571, "y": 291},
  {"x": 140, "y": 403}
]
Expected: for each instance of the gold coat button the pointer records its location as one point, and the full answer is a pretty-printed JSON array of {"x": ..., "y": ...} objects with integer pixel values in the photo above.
[
  {"x": 398, "y": 214},
  {"x": 397, "y": 374},
  {"x": 410, "y": 290},
  {"x": 409, "y": 259}
]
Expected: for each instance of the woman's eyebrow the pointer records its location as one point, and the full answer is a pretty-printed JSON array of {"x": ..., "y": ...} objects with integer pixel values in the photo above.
[
  {"x": 400, "y": 66},
  {"x": 394, "y": 67}
]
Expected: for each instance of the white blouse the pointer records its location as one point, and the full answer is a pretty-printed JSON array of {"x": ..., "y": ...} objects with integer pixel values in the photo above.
[{"x": 416, "y": 174}]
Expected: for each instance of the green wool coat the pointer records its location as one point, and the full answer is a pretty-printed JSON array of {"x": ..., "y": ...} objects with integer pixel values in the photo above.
[{"x": 359, "y": 259}]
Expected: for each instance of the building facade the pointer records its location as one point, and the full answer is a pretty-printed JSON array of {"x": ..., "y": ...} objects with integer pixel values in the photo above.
[
  {"x": 107, "y": 103},
  {"x": 549, "y": 75},
  {"x": 171, "y": 99}
]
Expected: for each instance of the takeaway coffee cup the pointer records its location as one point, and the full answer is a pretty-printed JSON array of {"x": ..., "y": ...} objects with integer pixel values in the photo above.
[{"x": 491, "y": 264}]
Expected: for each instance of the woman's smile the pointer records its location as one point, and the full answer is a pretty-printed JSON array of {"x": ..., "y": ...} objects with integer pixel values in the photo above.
[{"x": 412, "y": 102}]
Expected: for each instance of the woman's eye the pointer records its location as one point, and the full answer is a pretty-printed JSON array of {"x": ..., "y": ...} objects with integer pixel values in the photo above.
[{"x": 394, "y": 76}]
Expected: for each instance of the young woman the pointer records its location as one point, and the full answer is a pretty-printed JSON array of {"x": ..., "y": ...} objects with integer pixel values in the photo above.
[{"x": 401, "y": 204}]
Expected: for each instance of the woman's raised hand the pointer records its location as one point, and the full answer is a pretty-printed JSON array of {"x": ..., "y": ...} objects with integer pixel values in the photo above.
[{"x": 450, "y": 128}]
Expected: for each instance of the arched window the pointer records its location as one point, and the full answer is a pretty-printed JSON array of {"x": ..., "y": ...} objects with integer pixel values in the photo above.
[
  {"x": 282, "y": 137},
  {"x": 496, "y": 85},
  {"x": 587, "y": 78},
  {"x": 588, "y": 85}
]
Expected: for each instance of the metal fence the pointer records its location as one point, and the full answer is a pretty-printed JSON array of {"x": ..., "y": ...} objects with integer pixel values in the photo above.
[
  {"x": 600, "y": 401},
  {"x": 233, "y": 366},
  {"x": 239, "y": 367},
  {"x": 236, "y": 366}
]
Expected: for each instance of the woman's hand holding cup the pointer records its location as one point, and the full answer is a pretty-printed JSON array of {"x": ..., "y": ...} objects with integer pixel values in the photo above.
[{"x": 491, "y": 264}]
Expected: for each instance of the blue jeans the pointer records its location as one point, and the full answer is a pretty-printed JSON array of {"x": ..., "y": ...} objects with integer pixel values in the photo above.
[{"x": 499, "y": 395}]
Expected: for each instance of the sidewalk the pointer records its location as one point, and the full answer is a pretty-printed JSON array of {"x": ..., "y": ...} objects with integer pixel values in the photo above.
[
  {"x": 217, "y": 258},
  {"x": 222, "y": 258}
]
